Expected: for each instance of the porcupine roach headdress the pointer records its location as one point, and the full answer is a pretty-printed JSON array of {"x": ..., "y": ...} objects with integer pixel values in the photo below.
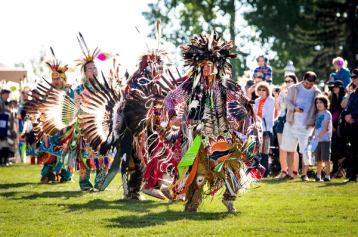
[
  {"x": 208, "y": 47},
  {"x": 100, "y": 120},
  {"x": 149, "y": 83},
  {"x": 88, "y": 55},
  {"x": 103, "y": 108},
  {"x": 56, "y": 69}
]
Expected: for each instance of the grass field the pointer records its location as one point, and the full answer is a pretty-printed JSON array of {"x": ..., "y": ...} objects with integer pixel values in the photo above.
[{"x": 270, "y": 208}]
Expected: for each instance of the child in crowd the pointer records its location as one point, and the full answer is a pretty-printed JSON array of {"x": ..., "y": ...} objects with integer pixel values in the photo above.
[
  {"x": 264, "y": 69},
  {"x": 323, "y": 135}
]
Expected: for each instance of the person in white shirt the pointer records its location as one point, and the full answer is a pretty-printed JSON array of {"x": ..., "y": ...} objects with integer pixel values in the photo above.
[{"x": 300, "y": 119}]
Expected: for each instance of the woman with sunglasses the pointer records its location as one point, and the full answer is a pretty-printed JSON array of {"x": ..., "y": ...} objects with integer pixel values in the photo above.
[
  {"x": 351, "y": 117},
  {"x": 280, "y": 105},
  {"x": 264, "y": 108}
]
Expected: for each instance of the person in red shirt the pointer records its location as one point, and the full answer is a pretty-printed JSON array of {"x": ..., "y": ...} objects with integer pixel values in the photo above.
[{"x": 264, "y": 109}]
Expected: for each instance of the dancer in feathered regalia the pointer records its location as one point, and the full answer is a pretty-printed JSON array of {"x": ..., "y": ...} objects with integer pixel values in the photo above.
[
  {"x": 153, "y": 81},
  {"x": 52, "y": 131},
  {"x": 134, "y": 126},
  {"x": 153, "y": 144},
  {"x": 89, "y": 160},
  {"x": 218, "y": 133}
]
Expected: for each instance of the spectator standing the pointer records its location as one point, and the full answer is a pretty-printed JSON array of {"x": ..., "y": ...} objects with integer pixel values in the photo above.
[
  {"x": 338, "y": 145},
  {"x": 251, "y": 91},
  {"x": 322, "y": 135},
  {"x": 4, "y": 96},
  {"x": 300, "y": 119},
  {"x": 342, "y": 73},
  {"x": 350, "y": 89},
  {"x": 280, "y": 105},
  {"x": 351, "y": 117},
  {"x": 6, "y": 129},
  {"x": 264, "y": 108}
]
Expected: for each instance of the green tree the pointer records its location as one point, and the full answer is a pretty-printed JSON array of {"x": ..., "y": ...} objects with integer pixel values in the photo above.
[
  {"x": 183, "y": 18},
  {"x": 310, "y": 33}
]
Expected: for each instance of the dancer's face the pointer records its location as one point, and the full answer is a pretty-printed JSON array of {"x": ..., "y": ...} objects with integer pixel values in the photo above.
[
  {"x": 158, "y": 107},
  {"x": 57, "y": 80},
  {"x": 208, "y": 68},
  {"x": 91, "y": 70}
]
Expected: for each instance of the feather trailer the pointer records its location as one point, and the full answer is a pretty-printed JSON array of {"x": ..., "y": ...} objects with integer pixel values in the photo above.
[
  {"x": 51, "y": 110},
  {"x": 101, "y": 116}
]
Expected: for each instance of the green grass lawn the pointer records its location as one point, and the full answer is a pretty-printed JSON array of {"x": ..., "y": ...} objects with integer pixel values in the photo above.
[{"x": 270, "y": 208}]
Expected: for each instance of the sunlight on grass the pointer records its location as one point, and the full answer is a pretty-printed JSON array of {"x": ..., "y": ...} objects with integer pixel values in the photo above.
[{"x": 270, "y": 208}]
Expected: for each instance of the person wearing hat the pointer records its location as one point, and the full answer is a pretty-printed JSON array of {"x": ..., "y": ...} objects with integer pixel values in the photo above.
[{"x": 338, "y": 148}]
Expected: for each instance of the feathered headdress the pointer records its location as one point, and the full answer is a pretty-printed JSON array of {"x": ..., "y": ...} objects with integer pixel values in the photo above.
[
  {"x": 208, "y": 47},
  {"x": 159, "y": 85},
  {"x": 88, "y": 56},
  {"x": 56, "y": 69}
]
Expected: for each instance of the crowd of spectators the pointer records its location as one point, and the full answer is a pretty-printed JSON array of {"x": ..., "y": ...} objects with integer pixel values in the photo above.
[{"x": 312, "y": 127}]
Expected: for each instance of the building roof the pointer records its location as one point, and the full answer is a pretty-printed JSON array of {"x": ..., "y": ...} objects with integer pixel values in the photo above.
[{"x": 12, "y": 74}]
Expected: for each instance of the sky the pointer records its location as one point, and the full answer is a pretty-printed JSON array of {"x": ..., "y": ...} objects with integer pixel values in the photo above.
[{"x": 27, "y": 27}]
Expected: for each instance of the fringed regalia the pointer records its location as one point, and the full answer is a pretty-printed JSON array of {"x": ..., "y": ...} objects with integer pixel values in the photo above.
[
  {"x": 155, "y": 144},
  {"x": 219, "y": 137},
  {"x": 88, "y": 159},
  {"x": 128, "y": 120},
  {"x": 49, "y": 107}
]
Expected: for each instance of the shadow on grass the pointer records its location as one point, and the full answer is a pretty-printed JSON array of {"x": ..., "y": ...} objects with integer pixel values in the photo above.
[
  {"x": 329, "y": 184},
  {"x": 124, "y": 205},
  {"x": 15, "y": 185},
  {"x": 272, "y": 181},
  {"x": 18, "y": 195},
  {"x": 65, "y": 194},
  {"x": 161, "y": 218},
  {"x": 8, "y": 194}
]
